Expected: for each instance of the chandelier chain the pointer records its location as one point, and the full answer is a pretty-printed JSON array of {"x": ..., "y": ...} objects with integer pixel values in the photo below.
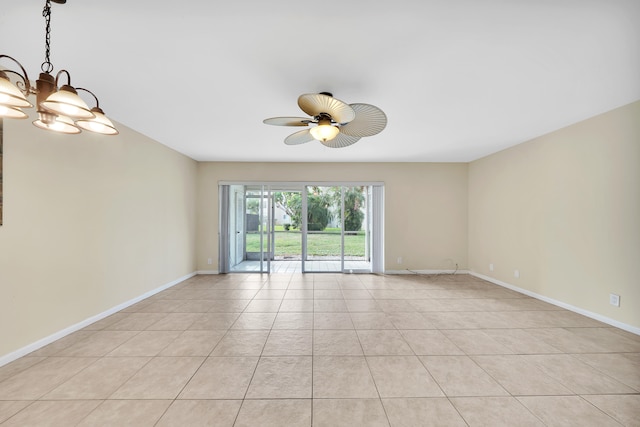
[{"x": 47, "y": 66}]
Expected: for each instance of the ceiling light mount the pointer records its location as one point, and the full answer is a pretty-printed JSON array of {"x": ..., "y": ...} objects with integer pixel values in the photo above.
[{"x": 58, "y": 108}]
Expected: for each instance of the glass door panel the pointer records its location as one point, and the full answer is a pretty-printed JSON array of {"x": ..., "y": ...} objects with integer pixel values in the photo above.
[
  {"x": 252, "y": 244},
  {"x": 357, "y": 234}
]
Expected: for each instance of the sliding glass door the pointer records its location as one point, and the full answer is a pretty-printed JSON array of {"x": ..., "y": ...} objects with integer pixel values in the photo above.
[
  {"x": 337, "y": 237},
  {"x": 298, "y": 227}
]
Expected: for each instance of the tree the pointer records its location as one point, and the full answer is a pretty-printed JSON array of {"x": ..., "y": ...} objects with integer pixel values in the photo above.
[
  {"x": 318, "y": 213},
  {"x": 291, "y": 203},
  {"x": 353, "y": 204},
  {"x": 318, "y": 202}
]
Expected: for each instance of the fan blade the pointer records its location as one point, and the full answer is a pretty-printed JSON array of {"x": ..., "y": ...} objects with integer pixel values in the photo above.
[
  {"x": 369, "y": 121},
  {"x": 299, "y": 137},
  {"x": 288, "y": 121},
  {"x": 341, "y": 141},
  {"x": 315, "y": 103}
]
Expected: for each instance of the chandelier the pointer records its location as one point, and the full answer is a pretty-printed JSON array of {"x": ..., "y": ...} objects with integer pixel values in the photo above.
[{"x": 60, "y": 109}]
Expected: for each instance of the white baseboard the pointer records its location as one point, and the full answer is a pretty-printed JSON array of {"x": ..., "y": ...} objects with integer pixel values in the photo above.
[
  {"x": 590, "y": 314},
  {"x": 426, "y": 272},
  {"x": 207, "y": 272},
  {"x": 7, "y": 358}
]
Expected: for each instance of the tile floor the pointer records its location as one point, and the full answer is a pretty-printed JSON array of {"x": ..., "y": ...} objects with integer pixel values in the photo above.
[{"x": 331, "y": 350}]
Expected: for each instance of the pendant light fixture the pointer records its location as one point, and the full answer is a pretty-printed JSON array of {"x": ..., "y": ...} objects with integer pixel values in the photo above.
[{"x": 59, "y": 109}]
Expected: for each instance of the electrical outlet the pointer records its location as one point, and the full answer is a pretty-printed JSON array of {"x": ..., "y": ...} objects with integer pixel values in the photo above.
[
  {"x": 614, "y": 300},
  {"x": 490, "y": 267},
  {"x": 209, "y": 261},
  {"x": 516, "y": 274},
  {"x": 399, "y": 260}
]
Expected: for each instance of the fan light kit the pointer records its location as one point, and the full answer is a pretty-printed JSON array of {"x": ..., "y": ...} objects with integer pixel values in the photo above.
[
  {"x": 334, "y": 123},
  {"x": 59, "y": 109}
]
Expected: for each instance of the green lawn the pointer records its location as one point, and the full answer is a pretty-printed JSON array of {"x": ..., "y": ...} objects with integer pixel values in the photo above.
[{"x": 318, "y": 244}]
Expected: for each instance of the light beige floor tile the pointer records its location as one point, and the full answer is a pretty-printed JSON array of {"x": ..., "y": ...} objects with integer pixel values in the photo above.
[
  {"x": 383, "y": 343},
  {"x": 53, "y": 413},
  {"x": 362, "y": 306},
  {"x": 566, "y": 411},
  {"x": 193, "y": 343},
  {"x": 296, "y": 306},
  {"x": 356, "y": 294},
  {"x": 342, "y": 377},
  {"x": 576, "y": 375},
  {"x": 274, "y": 294},
  {"x": 336, "y": 343},
  {"x": 329, "y": 306},
  {"x": 275, "y": 413},
  {"x": 214, "y": 320},
  {"x": 161, "y": 378},
  {"x": 371, "y": 321},
  {"x": 475, "y": 342},
  {"x": 161, "y": 306},
  {"x": 9, "y": 408},
  {"x": 332, "y": 321},
  {"x": 135, "y": 322},
  {"x": 263, "y": 306},
  {"x": 293, "y": 321},
  {"x": 175, "y": 322},
  {"x": 453, "y": 320},
  {"x": 229, "y": 306},
  {"x": 623, "y": 408},
  {"x": 56, "y": 347},
  {"x": 146, "y": 343},
  {"x": 402, "y": 376},
  {"x": 241, "y": 343},
  {"x": 494, "y": 412},
  {"x": 196, "y": 413},
  {"x": 623, "y": 367},
  {"x": 284, "y": 377},
  {"x": 99, "y": 380},
  {"x": 18, "y": 366},
  {"x": 411, "y": 320},
  {"x": 34, "y": 382},
  {"x": 348, "y": 413},
  {"x": 299, "y": 294},
  {"x": 519, "y": 377},
  {"x": 327, "y": 294},
  {"x": 520, "y": 341},
  {"x": 607, "y": 337},
  {"x": 254, "y": 321},
  {"x": 422, "y": 412},
  {"x": 395, "y": 306},
  {"x": 567, "y": 342},
  {"x": 125, "y": 413},
  {"x": 98, "y": 344},
  {"x": 195, "y": 306},
  {"x": 221, "y": 378},
  {"x": 430, "y": 342},
  {"x": 289, "y": 343},
  {"x": 461, "y": 376}
]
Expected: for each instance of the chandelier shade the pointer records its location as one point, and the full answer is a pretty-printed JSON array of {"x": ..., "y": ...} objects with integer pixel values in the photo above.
[
  {"x": 60, "y": 124},
  {"x": 98, "y": 124},
  {"x": 10, "y": 95},
  {"x": 66, "y": 102},
  {"x": 12, "y": 112},
  {"x": 58, "y": 108}
]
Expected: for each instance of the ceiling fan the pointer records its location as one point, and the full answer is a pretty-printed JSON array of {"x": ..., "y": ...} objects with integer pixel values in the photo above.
[{"x": 334, "y": 123}]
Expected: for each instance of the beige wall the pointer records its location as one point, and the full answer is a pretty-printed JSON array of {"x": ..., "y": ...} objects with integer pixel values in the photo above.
[
  {"x": 425, "y": 206},
  {"x": 90, "y": 222},
  {"x": 564, "y": 209}
]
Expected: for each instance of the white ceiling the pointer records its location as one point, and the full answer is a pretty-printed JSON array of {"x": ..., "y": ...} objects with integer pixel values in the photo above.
[{"x": 458, "y": 79}]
